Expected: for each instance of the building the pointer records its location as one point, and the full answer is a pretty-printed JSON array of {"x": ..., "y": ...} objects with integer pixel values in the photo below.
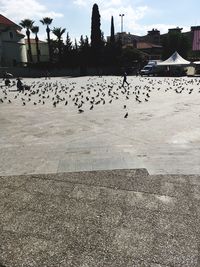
[
  {"x": 12, "y": 44},
  {"x": 125, "y": 38},
  {"x": 196, "y": 38},
  {"x": 153, "y": 51},
  {"x": 43, "y": 48},
  {"x": 153, "y": 37}
]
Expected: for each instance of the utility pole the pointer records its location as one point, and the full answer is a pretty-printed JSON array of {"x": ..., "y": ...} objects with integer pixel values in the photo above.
[{"x": 121, "y": 15}]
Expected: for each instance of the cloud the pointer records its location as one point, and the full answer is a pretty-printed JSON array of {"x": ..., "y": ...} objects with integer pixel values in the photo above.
[
  {"x": 131, "y": 18},
  {"x": 135, "y": 13},
  {"x": 21, "y": 9},
  {"x": 80, "y": 2}
]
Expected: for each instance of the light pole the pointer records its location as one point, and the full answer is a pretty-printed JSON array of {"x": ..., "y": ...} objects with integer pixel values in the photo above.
[{"x": 121, "y": 15}]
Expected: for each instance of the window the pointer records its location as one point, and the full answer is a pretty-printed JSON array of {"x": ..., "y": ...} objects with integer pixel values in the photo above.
[{"x": 11, "y": 35}]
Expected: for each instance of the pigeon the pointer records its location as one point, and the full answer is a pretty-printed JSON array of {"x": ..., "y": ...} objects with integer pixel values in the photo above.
[{"x": 126, "y": 115}]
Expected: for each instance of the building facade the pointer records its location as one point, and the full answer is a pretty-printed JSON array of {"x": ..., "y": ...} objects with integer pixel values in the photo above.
[
  {"x": 12, "y": 44},
  {"x": 43, "y": 50}
]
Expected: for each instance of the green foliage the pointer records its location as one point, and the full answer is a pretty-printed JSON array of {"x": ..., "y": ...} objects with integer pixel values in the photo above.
[
  {"x": 46, "y": 21},
  {"x": 112, "y": 31},
  {"x": 58, "y": 32},
  {"x": 35, "y": 30},
  {"x": 95, "y": 28},
  {"x": 129, "y": 56},
  {"x": 175, "y": 41},
  {"x": 68, "y": 46},
  {"x": 28, "y": 24}
]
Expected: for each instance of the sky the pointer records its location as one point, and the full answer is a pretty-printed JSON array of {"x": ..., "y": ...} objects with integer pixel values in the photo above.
[{"x": 140, "y": 16}]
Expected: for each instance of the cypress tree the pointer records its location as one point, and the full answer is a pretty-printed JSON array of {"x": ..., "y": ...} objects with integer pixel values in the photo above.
[
  {"x": 95, "y": 28},
  {"x": 68, "y": 43},
  {"x": 112, "y": 32}
]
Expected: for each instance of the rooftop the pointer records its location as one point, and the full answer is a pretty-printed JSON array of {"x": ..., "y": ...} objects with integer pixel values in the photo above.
[
  {"x": 32, "y": 40},
  {"x": 8, "y": 22},
  {"x": 147, "y": 45}
]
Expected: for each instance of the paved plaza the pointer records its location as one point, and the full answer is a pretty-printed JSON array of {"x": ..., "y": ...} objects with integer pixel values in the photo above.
[
  {"x": 96, "y": 175},
  {"x": 46, "y": 130}
]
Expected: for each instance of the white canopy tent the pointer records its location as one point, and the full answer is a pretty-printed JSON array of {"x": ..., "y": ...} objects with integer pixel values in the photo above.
[{"x": 174, "y": 60}]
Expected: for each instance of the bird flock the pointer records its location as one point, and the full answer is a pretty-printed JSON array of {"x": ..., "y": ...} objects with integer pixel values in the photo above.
[{"x": 94, "y": 92}]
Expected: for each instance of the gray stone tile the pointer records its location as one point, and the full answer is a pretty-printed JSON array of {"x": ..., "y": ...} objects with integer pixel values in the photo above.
[
  {"x": 194, "y": 179},
  {"x": 173, "y": 224},
  {"x": 48, "y": 187},
  {"x": 86, "y": 192},
  {"x": 68, "y": 165},
  {"x": 16, "y": 200},
  {"x": 195, "y": 192},
  {"x": 175, "y": 189},
  {"x": 178, "y": 178},
  {"x": 48, "y": 166},
  {"x": 142, "y": 200},
  {"x": 177, "y": 251},
  {"x": 139, "y": 220},
  {"x": 4, "y": 192},
  {"x": 132, "y": 243},
  {"x": 158, "y": 265},
  {"x": 146, "y": 185},
  {"x": 182, "y": 205},
  {"x": 22, "y": 250},
  {"x": 110, "y": 179},
  {"x": 12, "y": 181}
]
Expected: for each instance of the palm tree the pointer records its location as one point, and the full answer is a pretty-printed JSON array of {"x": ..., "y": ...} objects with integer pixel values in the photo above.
[
  {"x": 47, "y": 21},
  {"x": 35, "y": 30},
  {"x": 28, "y": 24},
  {"x": 58, "y": 32}
]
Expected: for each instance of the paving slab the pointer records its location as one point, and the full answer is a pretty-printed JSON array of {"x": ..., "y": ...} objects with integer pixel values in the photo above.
[
  {"x": 99, "y": 218},
  {"x": 160, "y": 134}
]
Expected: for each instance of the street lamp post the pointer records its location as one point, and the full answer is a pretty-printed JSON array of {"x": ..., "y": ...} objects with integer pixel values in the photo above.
[{"x": 121, "y": 15}]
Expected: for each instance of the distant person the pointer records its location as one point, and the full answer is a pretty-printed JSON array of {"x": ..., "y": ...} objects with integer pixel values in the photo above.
[
  {"x": 47, "y": 75},
  {"x": 125, "y": 79},
  {"x": 20, "y": 86},
  {"x": 7, "y": 82},
  {"x": 7, "y": 75}
]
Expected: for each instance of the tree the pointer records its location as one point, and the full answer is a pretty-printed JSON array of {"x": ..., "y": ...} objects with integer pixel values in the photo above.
[
  {"x": 68, "y": 43},
  {"x": 84, "y": 51},
  {"x": 96, "y": 35},
  {"x": 58, "y": 32},
  {"x": 175, "y": 41},
  {"x": 35, "y": 30},
  {"x": 112, "y": 31},
  {"x": 47, "y": 21},
  {"x": 68, "y": 56},
  {"x": 28, "y": 24},
  {"x": 75, "y": 47},
  {"x": 129, "y": 55}
]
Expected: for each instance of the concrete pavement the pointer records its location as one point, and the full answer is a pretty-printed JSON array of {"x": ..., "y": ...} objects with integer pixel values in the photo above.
[
  {"x": 119, "y": 218},
  {"x": 161, "y": 135}
]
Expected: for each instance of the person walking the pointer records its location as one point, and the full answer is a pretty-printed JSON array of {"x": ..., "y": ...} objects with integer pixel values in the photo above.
[{"x": 125, "y": 79}]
